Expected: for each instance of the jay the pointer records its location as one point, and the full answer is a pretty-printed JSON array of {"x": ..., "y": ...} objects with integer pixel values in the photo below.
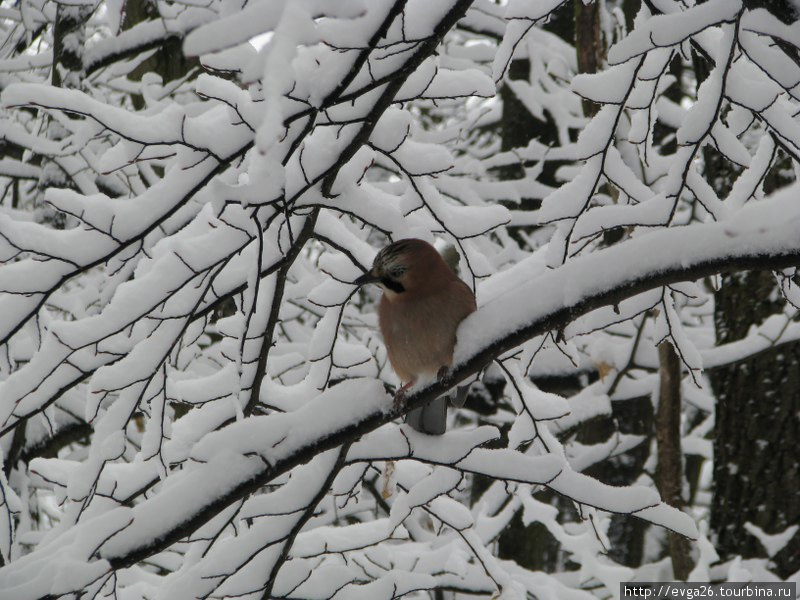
[{"x": 422, "y": 304}]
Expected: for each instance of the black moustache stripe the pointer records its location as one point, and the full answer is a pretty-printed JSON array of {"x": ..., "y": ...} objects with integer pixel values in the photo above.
[{"x": 393, "y": 285}]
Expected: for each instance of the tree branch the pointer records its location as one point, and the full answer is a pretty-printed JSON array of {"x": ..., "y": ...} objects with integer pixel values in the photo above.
[{"x": 560, "y": 296}]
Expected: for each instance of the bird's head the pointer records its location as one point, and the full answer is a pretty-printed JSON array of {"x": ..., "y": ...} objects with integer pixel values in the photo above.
[{"x": 406, "y": 265}]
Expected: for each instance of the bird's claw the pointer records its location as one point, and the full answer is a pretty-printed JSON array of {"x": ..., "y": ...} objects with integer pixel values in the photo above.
[{"x": 400, "y": 395}]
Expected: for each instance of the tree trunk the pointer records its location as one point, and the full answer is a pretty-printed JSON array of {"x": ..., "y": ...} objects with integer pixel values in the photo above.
[
  {"x": 588, "y": 43},
  {"x": 757, "y": 443},
  {"x": 168, "y": 60},
  {"x": 757, "y": 432},
  {"x": 69, "y": 39},
  {"x": 669, "y": 472},
  {"x": 632, "y": 417}
]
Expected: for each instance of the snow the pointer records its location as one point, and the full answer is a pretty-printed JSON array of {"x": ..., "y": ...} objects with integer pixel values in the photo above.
[
  {"x": 519, "y": 9},
  {"x": 607, "y": 87},
  {"x": 432, "y": 82},
  {"x": 394, "y": 443},
  {"x": 440, "y": 481},
  {"x": 146, "y": 130},
  {"x": 201, "y": 259},
  {"x": 276, "y": 437},
  {"x": 569, "y": 200},
  {"x": 671, "y": 29},
  {"x": 752, "y": 231},
  {"x": 772, "y": 543},
  {"x": 702, "y": 114},
  {"x": 150, "y": 519},
  {"x": 246, "y": 24},
  {"x": 651, "y": 211},
  {"x": 512, "y": 466}
]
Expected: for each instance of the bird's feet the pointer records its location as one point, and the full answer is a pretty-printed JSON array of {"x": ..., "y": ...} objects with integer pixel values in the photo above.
[{"x": 400, "y": 395}]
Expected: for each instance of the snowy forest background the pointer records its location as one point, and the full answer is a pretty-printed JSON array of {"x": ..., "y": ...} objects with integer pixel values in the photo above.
[{"x": 194, "y": 398}]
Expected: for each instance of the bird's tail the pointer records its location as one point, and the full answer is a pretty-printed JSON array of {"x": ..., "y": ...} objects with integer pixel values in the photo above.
[
  {"x": 459, "y": 397},
  {"x": 431, "y": 418}
]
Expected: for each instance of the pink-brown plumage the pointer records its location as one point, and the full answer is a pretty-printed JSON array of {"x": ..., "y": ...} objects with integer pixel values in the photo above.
[
  {"x": 422, "y": 305},
  {"x": 419, "y": 329}
]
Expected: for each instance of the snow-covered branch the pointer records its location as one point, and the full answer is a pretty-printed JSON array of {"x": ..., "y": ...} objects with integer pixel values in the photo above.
[
  {"x": 194, "y": 398},
  {"x": 242, "y": 457}
]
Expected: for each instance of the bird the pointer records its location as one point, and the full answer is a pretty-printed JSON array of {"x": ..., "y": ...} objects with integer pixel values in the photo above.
[{"x": 422, "y": 304}]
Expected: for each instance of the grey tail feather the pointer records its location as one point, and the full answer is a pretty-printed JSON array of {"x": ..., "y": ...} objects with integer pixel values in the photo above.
[
  {"x": 459, "y": 397},
  {"x": 431, "y": 418}
]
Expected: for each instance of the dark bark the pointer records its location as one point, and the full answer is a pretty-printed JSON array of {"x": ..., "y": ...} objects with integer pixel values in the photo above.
[
  {"x": 69, "y": 38},
  {"x": 588, "y": 44},
  {"x": 518, "y": 126},
  {"x": 669, "y": 472},
  {"x": 168, "y": 60},
  {"x": 756, "y": 447},
  {"x": 626, "y": 535},
  {"x": 757, "y": 443},
  {"x": 630, "y": 8},
  {"x": 281, "y": 277},
  {"x": 533, "y": 547},
  {"x": 633, "y": 417}
]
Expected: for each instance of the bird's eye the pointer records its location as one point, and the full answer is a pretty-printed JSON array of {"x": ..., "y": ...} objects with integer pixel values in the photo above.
[{"x": 397, "y": 271}]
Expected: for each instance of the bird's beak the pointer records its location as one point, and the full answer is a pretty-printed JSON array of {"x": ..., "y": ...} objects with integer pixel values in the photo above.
[{"x": 367, "y": 277}]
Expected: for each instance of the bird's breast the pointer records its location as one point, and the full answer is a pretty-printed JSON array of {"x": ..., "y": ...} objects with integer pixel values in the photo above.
[{"x": 419, "y": 334}]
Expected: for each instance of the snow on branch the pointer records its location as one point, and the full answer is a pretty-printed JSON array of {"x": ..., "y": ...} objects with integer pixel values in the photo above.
[
  {"x": 194, "y": 398},
  {"x": 240, "y": 458}
]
